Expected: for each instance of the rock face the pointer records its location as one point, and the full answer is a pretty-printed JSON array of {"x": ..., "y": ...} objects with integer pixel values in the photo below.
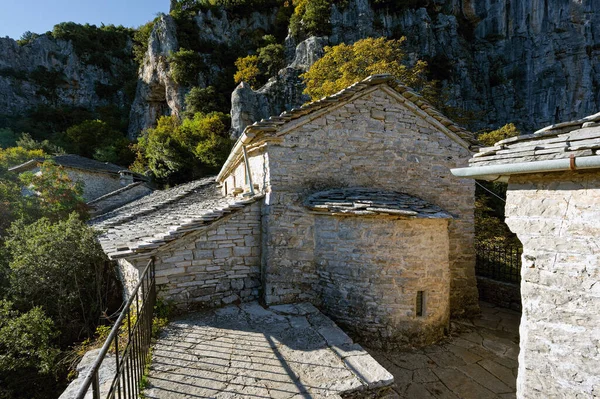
[
  {"x": 532, "y": 62},
  {"x": 156, "y": 93},
  {"x": 25, "y": 70}
]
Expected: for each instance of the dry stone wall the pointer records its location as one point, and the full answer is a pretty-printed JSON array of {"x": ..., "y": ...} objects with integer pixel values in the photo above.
[
  {"x": 216, "y": 266},
  {"x": 556, "y": 218},
  {"x": 371, "y": 269},
  {"x": 372, "y": 141}
]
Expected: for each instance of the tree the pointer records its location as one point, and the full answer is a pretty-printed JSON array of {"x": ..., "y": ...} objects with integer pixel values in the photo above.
[
  {"x": 248, "y": 71},
  {"x": 86, "y": 137},
  {"x": 56, "y": 193},
  {"x": 176, "y": 151},
  {"x": 8, "y": 138},
  {"x": 272, "y": 58},
  {"x": 311, "y": 18},
  {"x": 27, "y": 37},
  {"x": 27, "y": 353},
  {"x": 343, "y": 65},
  {"x": 204, "y": 100},
  {"x": 506, "y": 131},
  {"x": 29, "y": 143},
  {"x": 61, "y": 268},
  {"x": 186, "y": 66}
]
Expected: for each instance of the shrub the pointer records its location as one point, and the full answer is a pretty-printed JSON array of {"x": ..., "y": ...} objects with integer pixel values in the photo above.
[
  {"x": 248, "y": 71},
  {"x": 204, "y": 100},
  {"x": 176, "y": 151},
  {"x": 140, "y": 41},
  {"x": 8, "y": 138},
  {"x": 86, "y": 137},
  {"x": 311, "y": 18},
  {"x": 506, "y": 131},
  {"x": 343, "y": 65},
  {"x": 26, "y": 38},
  {"x": 61, "y": 268},
  {"x": 185, "y": 66}
]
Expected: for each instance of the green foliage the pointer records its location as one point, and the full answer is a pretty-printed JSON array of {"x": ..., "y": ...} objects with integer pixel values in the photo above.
[
  {"x": 57, "y": 193},
  {"x": 8, "y": 138},
  {"x": 343, "y": 65},
  {"x": 204, "y": 100},
  {"x": 311, "y": 18},
  {"x": 506, "y": 131},
  {"x": 13, "y": 156},
  {"x": 96, "y": 45},
  {"x": 186, "y": 65},
  {"x": 26, "y": 38},
  {"x": 248, "y": 71},
  {"x": 26, "y": 339},
  {"x": 27, "y": 354},
  {"x": 96, "y": 138},
  {"x": 256, "y": 69},
  {"x": 60, "y": 267},
  {"x": 29, "y": 143},
  {"x": 176, "y": 151},
  {"x": 140, "y": 41}
]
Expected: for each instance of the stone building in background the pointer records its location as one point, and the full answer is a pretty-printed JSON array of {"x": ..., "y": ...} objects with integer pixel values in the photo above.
[
  {"x": 105, "y": 185},
  {"x": 346, "y": 202},
  {"x": 553, "y": 205}
]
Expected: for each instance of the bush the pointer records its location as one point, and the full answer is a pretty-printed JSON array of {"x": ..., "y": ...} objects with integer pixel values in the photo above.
[
  {"x": 343, "y": 65},
  {"x": 204, "y": 100},
  {"x": 86, "y": 137},
  {"x": 176, "y": 152},
  {"x": 26, "y": 38},
  {"x": 506, "y": 131},
  {"x": 185, "y": 67},
  {"x": 140, "y": 41},
  {"x": 8, "y": 138},
  {"x": 61, "y": 268},
  {"x": 248, "y": 71}
]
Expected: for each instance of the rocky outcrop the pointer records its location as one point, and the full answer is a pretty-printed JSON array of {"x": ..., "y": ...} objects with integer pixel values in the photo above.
[
  {"x": 532, "y": 62},
  {"x": 49, "y": 72},
  {"x": 156, "y": 94}
]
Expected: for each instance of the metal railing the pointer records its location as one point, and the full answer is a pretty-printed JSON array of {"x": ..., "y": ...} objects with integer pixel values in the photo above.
[
  {"x": 128, "y": 342},
  {"x": 502, "y": 263}
]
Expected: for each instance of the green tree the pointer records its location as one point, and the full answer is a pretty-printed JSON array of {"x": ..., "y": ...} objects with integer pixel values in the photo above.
[
  {"x": 85, "y": 138},
  {"x": 29, "y": 143},
  {"x": 55, "y": 192},
  {"x": 272, "y": 58},
  {"x": 140, "y": 41},
  {"x": 27, "y": 38},
  {"x": 176, "y": 151},
  {"x": 186, "y": 66},
  {"x": 248, "y": 71},
  {"x": 8, "y": 138},
  {"x": 506, "y": 131},
  {"x": 311, "y": 18},
  {"x": 343, "y": 65},
  {"x": 13, "y": 156},
  {"x": 27, "y": 353},
  {"x": 61, "y": 268},
  {"x": 204, "y": 100}
]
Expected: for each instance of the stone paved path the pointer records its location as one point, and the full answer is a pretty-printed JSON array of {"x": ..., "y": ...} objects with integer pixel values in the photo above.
[
  {"x": 246, "y": 351},
  {"x": 478, "y": 361}
]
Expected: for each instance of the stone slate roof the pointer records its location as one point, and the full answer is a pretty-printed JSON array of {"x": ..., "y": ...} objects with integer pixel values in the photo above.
[
  {"x": 368, "y": 201},
  {"x": 73, "y": 161},
  {"x": 578, "y": 138},
  {"x": 272, "y": 124},
  {"x": 158, "y": 218}
]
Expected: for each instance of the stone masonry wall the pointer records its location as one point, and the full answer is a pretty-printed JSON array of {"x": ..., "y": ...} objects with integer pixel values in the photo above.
[
  {"x": 373, "y": 141},
  {"x": 212, "y": 267},
  {"x": 95, "y": 184},
  {"x": 506, "y": 295},
  {"x": 556, "y": 218},
  {"x": 370, "y": 270}
]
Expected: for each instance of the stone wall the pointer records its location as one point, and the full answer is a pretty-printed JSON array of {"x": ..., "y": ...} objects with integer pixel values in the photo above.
[
  {"x": 556, "y": 218},
  {"x": 119, "y": 197},
  {"x": 95, "y": 184},
  {"x": 211, "y": 267},
  {"x": 372, "y": 141},
  {"x": 506, "y": 295},
  {"x": 370, "y": 270}
]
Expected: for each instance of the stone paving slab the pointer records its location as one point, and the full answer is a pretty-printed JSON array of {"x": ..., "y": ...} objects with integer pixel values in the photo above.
[
  {"x": 247, "y": 351},
  {"x": 478, "y": 361}
]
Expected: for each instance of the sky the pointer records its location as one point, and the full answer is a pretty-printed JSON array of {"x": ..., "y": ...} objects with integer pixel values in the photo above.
[{"x": 39, "y": 16}]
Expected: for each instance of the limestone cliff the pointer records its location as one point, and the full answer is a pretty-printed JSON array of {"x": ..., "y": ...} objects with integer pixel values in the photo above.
[
  {"x": 530, "y": 62},
  {"x": 48, "y": 71}
]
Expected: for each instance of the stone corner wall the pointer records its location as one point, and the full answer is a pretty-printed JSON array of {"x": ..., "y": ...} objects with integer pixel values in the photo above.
[
  {"x": 212, "y": 267},
  {"x": 555, "y": 216},
  {"x": 374, "y": 141}
]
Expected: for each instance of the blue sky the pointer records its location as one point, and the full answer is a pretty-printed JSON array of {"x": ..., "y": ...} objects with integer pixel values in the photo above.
[{"x": 39, "y": 16}]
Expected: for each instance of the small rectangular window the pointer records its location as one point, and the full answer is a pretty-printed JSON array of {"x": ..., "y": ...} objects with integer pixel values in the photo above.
[{"x": 420, "y": 311}]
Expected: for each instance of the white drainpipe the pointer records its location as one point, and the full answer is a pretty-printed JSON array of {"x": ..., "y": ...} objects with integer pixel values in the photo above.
[{"x": 494, "y": 172}]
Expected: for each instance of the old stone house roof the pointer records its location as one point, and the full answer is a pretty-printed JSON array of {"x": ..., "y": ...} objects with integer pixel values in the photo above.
[
  {"x": 576, "y": 138},
  {"x": 565, "y": 146},
  {"x": 76, "y": 162},
  {"x": 152, "y": 221},
  {"x": 278, "y": 125},
  {"x": 368, "y": 201}
]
